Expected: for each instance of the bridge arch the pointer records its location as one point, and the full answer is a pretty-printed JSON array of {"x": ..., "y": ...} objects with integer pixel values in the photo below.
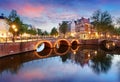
[
  {"x": 61, "y": 50},
  {"x": 43, "y": 54},
  {"x": 107, "y": 45},
  {"x": 61, "y": 42},
  {"x": 75, "y": 42},
  {"x": 47, "y": 44},
  {"x": 74, "y": 49}
]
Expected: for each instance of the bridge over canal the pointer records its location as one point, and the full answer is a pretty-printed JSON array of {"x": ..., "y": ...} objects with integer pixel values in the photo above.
[{"x": 19, "y": 47}]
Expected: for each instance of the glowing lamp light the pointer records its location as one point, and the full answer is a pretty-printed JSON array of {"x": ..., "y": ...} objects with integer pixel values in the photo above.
[
  {"x": 108, "y": 35},
  {"x": 16, "y": 29},
  {"x": 89, "y": 32},
  {"x": 13, "y": 26},
  {"x": 101, "y": 35}
]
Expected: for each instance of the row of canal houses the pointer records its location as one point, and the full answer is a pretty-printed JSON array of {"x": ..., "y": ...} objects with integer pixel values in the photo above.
[{"x": 81, "y": 28}]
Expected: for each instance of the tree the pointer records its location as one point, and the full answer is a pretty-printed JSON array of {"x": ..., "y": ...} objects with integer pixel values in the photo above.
[
  {"x": 118, "y": 21},
  {"x": 63, "y": 28},
  {"x": 117, "y": 31},
  {"x": 45, "y": 33},
  {"x": 14, "y": 19},
  {"x": 24, "y": 29},
  {"x": 39, "y": 31},
  {"x": 13, "y": 15},
  {"x": 102, "y": 21},
  {"x": 32, "y": 31},
  {"x": 54, "y": 31}
]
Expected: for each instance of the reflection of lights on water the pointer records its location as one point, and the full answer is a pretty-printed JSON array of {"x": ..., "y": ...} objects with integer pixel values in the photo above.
[
  {"x": 110, "y": 44},
  {"x": 113, "y": 44},
  {"x": 95, "y": 52},
  {"x": 74, "y": 52},
  {"x": 41, "y": 47},
  {"x": 107, "y": 46},
  {"x": 88, "y": 55}
]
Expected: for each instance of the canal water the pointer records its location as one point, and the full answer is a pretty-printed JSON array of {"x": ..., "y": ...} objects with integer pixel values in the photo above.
[{"x": 66, "y": 64}]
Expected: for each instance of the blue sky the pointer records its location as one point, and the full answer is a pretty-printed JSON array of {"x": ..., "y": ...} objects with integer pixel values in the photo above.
[{"x": 46, "y": 14}]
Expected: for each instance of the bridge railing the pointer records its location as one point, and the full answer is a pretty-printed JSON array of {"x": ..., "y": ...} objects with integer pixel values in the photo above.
[
  {"x": 34, "y": 38},
  {"x": 25, "y": 39}
]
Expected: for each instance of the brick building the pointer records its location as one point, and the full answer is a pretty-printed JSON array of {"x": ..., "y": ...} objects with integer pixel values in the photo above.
[{"x": 83, "y": 28}]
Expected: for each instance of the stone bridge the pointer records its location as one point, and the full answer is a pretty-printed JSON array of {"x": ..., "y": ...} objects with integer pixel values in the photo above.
[{"x": 19, "y": 47}]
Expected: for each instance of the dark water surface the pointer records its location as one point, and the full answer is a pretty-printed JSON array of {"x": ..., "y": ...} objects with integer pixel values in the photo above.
[{"x": 66, "y": 64}]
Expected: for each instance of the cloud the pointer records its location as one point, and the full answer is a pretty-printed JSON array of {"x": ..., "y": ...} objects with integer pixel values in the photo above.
[
  {"x": 31, "y": 10},
  {"x": 23, "y": 8},
  {"x": 48, "y": 13}
]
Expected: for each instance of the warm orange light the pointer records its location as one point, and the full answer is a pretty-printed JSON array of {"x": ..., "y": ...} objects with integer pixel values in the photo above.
[
  {"x": 16, "y": 29},
  {"x": 88, "y": 55},
  {"x": 113, "y": 44},
  {"x": 74, "y": 52},
  {"x": 89, "y": 32},
  {"x": 95, "y": 52},
  {"x": 13, "y": 26},
  {"x": 101, "y": 35},
  {"x": 108, "y": 35}
]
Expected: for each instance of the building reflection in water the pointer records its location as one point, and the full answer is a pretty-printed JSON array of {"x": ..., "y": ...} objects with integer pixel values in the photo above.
[{"x": 98, "y": 60}]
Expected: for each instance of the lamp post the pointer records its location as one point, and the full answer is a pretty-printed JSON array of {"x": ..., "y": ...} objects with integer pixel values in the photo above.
[{"x": 14, "y": 31}]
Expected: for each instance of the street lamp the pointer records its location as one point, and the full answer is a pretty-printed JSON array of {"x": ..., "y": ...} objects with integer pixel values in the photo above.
[
  {"x": 13, "y": 26},
  {"x": 14, "y": 30}
]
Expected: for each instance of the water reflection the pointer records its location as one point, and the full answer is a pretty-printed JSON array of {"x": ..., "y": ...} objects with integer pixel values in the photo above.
[
  {"x": 101, "y": 63},
  {"x": 40, "y": 47},
  {"x": 44, "y": 53},
  {"x": 65, "y": 57},
  {"x": 62, "y": 50},
  {"x": 74, "y": 49},
  {"x": 84, "y": 59},
  {"x": 14, "y": 63},
  {"x": 118, "y": 67},
  {"x": 108, "y": 45}
]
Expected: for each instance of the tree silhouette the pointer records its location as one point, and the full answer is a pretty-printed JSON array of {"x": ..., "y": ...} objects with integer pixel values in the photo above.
[
  {"x": 63, "y": 28},
  {"x": 65, "y": 57},
  {"x": 54, "y": 31},
  {"x": 101, "y": 62},
  {"x": 102, "y": 21}
]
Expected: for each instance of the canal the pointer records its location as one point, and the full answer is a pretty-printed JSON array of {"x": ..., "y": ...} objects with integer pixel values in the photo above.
[{"x": 82, "y": 63}]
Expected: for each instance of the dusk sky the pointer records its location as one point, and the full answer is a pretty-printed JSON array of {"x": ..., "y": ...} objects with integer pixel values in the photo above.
[{"x": 46, "y": 14}]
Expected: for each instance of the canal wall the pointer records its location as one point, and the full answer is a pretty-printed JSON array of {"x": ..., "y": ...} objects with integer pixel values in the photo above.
[
  {"x": 16, "y": 47},
  {"x": 89, "y": 42},
  {"x": 19, "y": 47}
]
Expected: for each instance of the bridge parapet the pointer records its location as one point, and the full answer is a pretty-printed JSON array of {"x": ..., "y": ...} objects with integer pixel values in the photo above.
[{"x": 19, "y": 47}]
